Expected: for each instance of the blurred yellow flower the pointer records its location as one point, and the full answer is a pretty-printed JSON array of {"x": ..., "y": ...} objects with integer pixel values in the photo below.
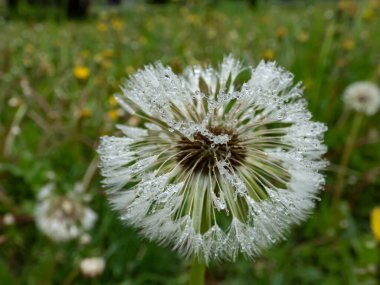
[
  {"x": 268, "y": 54},
  {"x": 117, "y": 24},
  {"x": 375, "y": 223},
  {"x": 81, "y": 72},
  {"x": 281, "y": 33},
  {"x": 107, "y": 53},
  {"x": 84, "y": 112},
  {"x": 368, "y": 15},
  {"x": 129, "y": 69},
  {"x": 303, "y": 37},
  {"x": 112, "y": 101},
  {"x": 101, "y": 27},
  {"x": 348, "y": 44},
  {"x": 113, "y": 114}
]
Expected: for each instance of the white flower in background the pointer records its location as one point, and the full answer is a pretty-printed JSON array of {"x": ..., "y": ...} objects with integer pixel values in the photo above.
[
  {"x": 9, "y": 219},
  {"x": 92, "y": 267},
  {"x": 363, "y": 97},
  {"x": 63, "y": 217},
  {"x": 218, "y": 168},
  {"x": 85, "y": 239}
]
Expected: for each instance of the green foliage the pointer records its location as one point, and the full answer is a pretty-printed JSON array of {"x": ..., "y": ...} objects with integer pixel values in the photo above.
[{"x": 52, "y": 114}]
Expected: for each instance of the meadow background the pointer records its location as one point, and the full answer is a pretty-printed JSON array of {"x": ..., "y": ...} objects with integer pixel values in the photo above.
[{"x": 57, "y": 79}]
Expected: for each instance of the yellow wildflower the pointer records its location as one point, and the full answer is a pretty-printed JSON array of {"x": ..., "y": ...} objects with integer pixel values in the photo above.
[
  {"x": 112, "y": 101},
  {"x": 113, "y": 114},
  {"x": 281, "y": 33},
  {"x": 268, "y": 54},
  {"x": 375, "y": 223},
  {"x": 107, "y": 53},
  {"x": 348, "y": 44},
  {"x": 303, "y": 37},
  {"x": 101, "y": 27},
  {"x": 117, "y": 24},
  {"x": 368, "y": 15},
  {"x": 84, "y": 112},
  {"x": 81, "y": 72},
  {"x": 129, "y": 69}
]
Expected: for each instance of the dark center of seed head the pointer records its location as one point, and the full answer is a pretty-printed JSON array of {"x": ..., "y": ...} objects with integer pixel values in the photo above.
[{"x": 201, "y": 154}]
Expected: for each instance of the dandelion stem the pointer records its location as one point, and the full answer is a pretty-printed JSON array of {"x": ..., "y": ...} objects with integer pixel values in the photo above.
[
  {"x": 345, "y": 159},
  {"x": 197, "y": 272}
]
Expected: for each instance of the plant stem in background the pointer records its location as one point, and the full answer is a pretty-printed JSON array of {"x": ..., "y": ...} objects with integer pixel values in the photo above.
[
  {"x": 8, "y": 144},
  {"x": 345, "y": 159},
  {"x": 197, "y": 272}
]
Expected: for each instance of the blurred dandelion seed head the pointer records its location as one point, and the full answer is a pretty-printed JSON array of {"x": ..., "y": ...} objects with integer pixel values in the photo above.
[
  {"x": 62, "y": 217},
  {"x": 9, "y": 219},
  {"x": 92, "y": 267},
  {"x": 363, "y": 97},
  {"x": 218, "y": 165}
]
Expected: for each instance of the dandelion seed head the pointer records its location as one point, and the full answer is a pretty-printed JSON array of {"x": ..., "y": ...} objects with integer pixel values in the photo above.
[
  {"x": 363, "y": 97},
  {"x": 92, "y": 266},
  {"x": 62, "y": 217},
  {"x": 218, "y": 166}
]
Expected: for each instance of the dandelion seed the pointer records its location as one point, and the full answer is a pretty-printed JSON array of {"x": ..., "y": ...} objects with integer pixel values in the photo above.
[
  {"x": 63, "y": 218},
  {"x": 219, "y": 166},
  {"x": 363, "y": 97}
]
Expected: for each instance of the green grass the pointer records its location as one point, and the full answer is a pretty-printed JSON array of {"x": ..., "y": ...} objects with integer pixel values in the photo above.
[{"x": 57, "y": 121}]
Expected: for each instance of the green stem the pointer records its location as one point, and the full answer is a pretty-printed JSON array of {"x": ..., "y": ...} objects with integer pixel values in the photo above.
[
  {"x": 345, "y": 159},
  {"x": 197, "y": 272}
]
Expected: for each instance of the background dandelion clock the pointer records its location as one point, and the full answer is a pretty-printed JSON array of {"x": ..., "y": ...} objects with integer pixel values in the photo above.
[
  {"x": 220, "y": 167},
  {"x": 63, "y": 217}
]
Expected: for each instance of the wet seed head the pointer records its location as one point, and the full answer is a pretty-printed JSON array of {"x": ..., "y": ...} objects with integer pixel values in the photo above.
[{"x": 201, "y": 154}]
